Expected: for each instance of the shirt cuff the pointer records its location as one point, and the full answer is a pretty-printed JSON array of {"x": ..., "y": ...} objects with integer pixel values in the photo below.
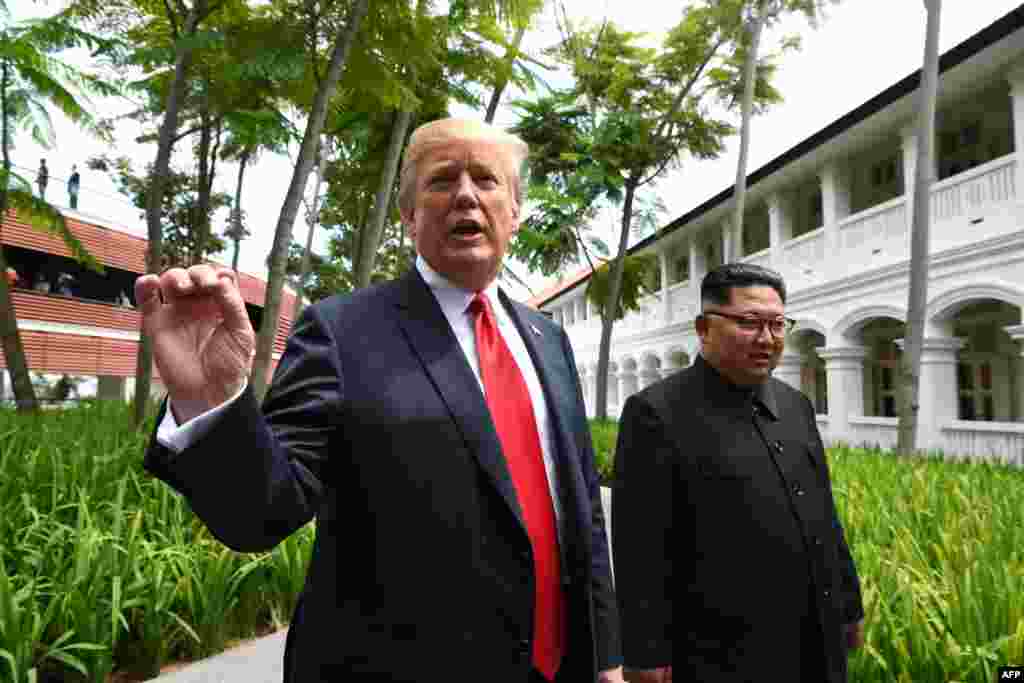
[{"x": 177, "y": 438}]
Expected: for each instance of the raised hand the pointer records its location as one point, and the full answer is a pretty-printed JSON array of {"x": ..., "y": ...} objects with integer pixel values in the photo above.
[{"x": 203, "y": 343}]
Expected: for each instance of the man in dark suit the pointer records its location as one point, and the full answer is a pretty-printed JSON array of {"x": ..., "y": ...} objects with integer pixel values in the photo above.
[
  {"x": 433, "y": 428},
  {"x": 730, "y": 562}
]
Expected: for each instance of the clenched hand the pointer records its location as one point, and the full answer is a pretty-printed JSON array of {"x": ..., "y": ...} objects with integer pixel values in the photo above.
[{"x": 203, "y": 343}]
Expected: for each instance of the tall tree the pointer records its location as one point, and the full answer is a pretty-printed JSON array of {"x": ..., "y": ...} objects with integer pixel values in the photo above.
[
  {"x": 757, "y": 16},
  {"x": 648, "y": 107},
  {"x": 184, "y": 22},
  {"x": 312, "y": 219},
  {"x": 924, "y": 177},
  {"x": 181, "y": 211},
  {"x": 373, "y": 231},
  {"x": 343, "y": 42},
  {"x": 31, "y": 79}
]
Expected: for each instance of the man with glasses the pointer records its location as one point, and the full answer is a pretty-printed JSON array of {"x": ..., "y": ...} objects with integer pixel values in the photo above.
[{"x": 730, "y": 561}]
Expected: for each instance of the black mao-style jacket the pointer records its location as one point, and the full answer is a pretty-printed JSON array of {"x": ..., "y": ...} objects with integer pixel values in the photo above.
[{"x": 730, "y": 561}]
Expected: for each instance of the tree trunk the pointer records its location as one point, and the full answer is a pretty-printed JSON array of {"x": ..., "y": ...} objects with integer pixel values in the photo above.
[
  {"x": 612, "y": 304},
  {"x": 311, "y": 221},
  {"x": 303, "y": 165},
  {"x": 236, "y": 217},
  {"x": 374, "y": 228},
  {"x": 10, "y": 337},
  {"x": 201, "y": 221},
  {"x": 924, "y": 176},
  {"x": 510, "y": 57},
  {"x": 154, "y": 198},
  {"x": 746, "y": 107}
]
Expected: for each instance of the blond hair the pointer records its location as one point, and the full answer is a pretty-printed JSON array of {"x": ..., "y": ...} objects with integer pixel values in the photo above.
[{"x": 431, "y": 135}]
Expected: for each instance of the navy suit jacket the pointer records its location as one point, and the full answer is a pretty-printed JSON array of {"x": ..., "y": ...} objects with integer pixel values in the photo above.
[{"x": 375, "y": 425}]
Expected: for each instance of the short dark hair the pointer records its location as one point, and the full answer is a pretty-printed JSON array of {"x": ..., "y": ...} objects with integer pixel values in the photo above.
[{"x": 716, "y": 287}]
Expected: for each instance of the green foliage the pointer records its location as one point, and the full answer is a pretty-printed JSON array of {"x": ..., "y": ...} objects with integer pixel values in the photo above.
[
  {"x": 635, "y": 277},
  {"x": 103, "y": 568},
  {"x": 604, "y": 433},
  {"x": 179, "y": 210}
]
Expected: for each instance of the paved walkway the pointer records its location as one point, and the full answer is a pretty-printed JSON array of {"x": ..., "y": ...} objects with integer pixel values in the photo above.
[{"x": 257, "y": 661}]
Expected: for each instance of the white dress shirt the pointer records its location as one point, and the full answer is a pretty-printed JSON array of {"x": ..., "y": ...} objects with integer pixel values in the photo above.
[{"x": 454, "y": 302}]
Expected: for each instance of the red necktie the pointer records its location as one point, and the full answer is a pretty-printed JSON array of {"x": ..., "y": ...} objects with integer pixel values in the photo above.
[{"x": 512, "y": 411}]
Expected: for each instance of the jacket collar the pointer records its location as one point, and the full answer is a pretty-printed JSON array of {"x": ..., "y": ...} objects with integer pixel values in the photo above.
[{"x": 761, "y": 394}]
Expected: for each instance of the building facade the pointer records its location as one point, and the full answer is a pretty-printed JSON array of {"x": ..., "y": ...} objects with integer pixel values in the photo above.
[
  {"x": 833, "y": 216},
  {"x": 76, "y": 322}
]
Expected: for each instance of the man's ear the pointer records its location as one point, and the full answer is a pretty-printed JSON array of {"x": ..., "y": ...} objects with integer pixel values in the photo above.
[
  {"x": 701, "y": 325},
  {"x": 408, "y": 222}
]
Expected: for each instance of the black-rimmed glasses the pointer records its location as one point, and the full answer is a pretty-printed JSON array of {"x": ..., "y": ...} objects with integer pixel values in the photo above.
[{"x": 753, "y": 325}]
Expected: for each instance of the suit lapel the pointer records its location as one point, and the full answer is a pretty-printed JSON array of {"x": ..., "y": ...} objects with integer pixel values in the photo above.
[{"x": 432, "y": 340}]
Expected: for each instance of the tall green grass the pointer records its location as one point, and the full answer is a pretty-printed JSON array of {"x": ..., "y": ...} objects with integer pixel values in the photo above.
[
  {"x": 103, "y": 568},
  {"x": 939, "y": 546}
]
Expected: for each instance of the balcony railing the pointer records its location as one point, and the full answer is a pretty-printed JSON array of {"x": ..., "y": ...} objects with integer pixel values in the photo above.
[
  {"x": 999, "y": 440},
  {"x": 875, "y": 234},
  {"x": 803, "y": 255},
  {"x": 872, "y": 431},
  {"x": 969, "y": 193},
  {"x": 680, "y": 302},
  {"x": 760, "y": 258},
  {"x": 55, "y": 308}
]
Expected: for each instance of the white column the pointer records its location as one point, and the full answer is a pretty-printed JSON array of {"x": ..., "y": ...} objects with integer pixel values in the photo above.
[
  {"x": 835, "y": 205},
  {"x": 909, "y": 145},
  {"x": 844, "y": 371},
  {"x": 789, "y": 368},
  {"x": 591, "y": 387},
  {"x": 627, "y": 382},
  {"x": 1016, "y": 333},
  {"x": 648, "y": 375},
  {"x": 1016, "y": 79},
  {"x": 698, "y": 268},
  {"x": 729, "y": 247},
  {"x": 937, "y": 398},
  {"x": 780, "y": 226},
  {"x": 666, "y": 271},
  {"x": 613, "y": 386}
]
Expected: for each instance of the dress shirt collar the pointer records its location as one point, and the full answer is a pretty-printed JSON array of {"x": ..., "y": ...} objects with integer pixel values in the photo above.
[
  {"x": 761, "y": 393},
  {"x": 454, "y": 300}
]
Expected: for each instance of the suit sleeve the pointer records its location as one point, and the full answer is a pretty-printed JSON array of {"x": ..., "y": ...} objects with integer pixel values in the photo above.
[
  {"x": 256, "y": 476},
  {"x": 642, "y": 535},
  {"x": 606, "y": 627},
  {"x": 853, "y": 608}
]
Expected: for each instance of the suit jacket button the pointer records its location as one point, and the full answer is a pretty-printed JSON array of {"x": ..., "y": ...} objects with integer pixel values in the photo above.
[
  {"x": 524, "y": 646},
  {"x": 828, "y": 593}
]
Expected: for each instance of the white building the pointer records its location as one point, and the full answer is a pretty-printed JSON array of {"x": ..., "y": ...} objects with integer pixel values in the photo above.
[{"x": 832, "y": 215}]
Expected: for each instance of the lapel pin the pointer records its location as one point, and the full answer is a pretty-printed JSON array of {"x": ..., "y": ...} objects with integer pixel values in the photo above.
[{"x": 535, "y": 330}]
